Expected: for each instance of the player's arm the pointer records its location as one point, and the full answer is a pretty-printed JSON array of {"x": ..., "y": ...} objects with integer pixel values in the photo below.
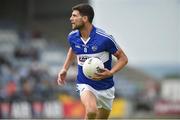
[
  {"x": 122, "y": 60},
  {"x": 62, "y": 74}
]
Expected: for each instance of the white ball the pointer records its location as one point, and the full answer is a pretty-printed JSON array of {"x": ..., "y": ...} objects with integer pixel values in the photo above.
[{"x": 92, "y": 66}]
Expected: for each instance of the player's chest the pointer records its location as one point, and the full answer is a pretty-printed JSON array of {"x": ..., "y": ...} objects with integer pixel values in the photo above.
[{"x": 92, "y": 46}]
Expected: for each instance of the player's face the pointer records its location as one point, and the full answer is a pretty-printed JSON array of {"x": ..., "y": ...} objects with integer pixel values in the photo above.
[{"x": 76, "y": 20}]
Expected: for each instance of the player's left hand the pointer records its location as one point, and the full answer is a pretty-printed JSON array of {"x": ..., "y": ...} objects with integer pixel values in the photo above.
[{"x": 105, "y": 73}]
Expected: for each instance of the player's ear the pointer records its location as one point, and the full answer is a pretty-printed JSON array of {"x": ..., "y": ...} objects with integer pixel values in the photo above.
[{"x": 85, "y": 18}]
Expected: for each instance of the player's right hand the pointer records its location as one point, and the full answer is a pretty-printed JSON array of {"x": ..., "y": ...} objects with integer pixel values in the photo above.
[{"x": 61, "y": 77}]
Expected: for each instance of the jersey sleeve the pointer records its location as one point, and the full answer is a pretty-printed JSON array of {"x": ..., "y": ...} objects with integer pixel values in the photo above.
[
  {"x": 69, "y": 38},
  {"x": 112, "y": 45}
]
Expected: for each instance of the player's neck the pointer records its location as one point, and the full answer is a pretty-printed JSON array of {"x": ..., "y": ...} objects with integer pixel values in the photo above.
[{"x": 85, "y": 31}]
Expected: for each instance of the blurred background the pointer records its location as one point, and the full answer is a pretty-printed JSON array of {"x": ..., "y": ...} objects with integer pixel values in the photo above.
[{"x": 33, "y": 47}]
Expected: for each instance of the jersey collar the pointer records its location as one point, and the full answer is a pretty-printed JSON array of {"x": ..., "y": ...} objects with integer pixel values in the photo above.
[{"x": 93, "y": 31}]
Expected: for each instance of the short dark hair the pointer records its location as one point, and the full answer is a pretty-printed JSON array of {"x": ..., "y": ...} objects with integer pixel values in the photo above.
[{"x": 85, "y": 10}]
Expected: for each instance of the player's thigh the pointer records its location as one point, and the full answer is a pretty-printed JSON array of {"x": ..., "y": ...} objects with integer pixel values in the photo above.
[
  {"x": 88, "y": 99},
  {"x": 103, "y": 113}
]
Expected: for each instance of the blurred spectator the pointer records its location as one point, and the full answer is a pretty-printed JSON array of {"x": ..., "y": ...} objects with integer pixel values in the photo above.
[
  {"x": 3, "y": 61},
  {"x": 11, "y": 88},
  {"x": 29, "y": 53},
  {"x": 36, "y": 34}
]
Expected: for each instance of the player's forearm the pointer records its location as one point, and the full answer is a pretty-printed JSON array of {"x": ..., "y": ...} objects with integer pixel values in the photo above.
[{"x": 69, "y": 59}]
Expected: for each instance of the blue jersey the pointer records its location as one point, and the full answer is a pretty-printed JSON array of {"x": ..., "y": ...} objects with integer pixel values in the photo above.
[{"x": 99, "y": 44}]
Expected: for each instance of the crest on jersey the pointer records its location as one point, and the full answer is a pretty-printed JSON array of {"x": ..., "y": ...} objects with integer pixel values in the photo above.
[{"x": 94, "y": 48}]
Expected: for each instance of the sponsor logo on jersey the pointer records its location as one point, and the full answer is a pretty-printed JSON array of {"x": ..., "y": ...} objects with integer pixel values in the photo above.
[
  {"x": 83, "y": 58},
  {"x": 77, "y": 46}
]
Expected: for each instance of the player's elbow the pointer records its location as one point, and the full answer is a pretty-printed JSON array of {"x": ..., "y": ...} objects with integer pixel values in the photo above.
[
  {"x": 121, "y": 56},
  {"x": 125, "y": 59}
]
